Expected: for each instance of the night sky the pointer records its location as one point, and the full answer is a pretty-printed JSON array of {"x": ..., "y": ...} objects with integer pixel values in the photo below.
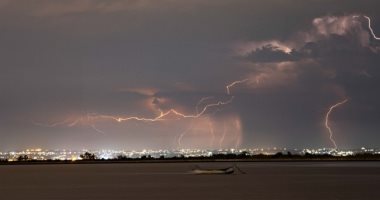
[{"x": 70, "y": 69}]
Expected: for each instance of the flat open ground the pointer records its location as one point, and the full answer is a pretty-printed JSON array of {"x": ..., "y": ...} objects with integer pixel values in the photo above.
[{"x": 263, "y": 180}]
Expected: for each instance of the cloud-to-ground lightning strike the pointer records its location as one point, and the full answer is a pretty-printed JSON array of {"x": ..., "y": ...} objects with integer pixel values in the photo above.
[
  {"x": 183, "y": 134},
  {"x": 370, "y": 28},
  {"x": 327, "y": 120},
  {"x": 179, "y": 141}
]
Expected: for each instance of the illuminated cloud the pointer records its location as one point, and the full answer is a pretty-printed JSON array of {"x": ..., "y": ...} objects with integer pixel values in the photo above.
[
  {"x": 246, "y": 48},
  {"x": 333, "y": 43},
  {"x": 328, "y": 34}
]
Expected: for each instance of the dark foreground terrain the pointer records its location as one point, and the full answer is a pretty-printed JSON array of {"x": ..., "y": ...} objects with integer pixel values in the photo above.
[{"x": 263, "y": 180}]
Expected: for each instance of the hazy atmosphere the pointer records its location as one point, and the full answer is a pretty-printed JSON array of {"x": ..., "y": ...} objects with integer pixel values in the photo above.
[{"x": 138, "y": 74}]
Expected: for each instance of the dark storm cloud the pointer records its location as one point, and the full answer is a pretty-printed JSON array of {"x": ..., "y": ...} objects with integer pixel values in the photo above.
[
  {"x": 69, "y": 58},
  {"x": 270, "y": 53},
  {"x": 334, "y": 47},
  {"x": 337, "y": 59}
]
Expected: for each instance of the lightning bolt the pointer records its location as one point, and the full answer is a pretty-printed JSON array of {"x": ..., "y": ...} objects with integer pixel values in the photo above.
[
  {"x": 96, "y": 129},
  {"x": 91, "y": 118},
  {"x": 370, "y": 28},
  {"x": 179, "y": 141},
  {"x": 198, "y": 114},
  {"x": 331, "y": 109},
  {"x": 201, "y": 101},
  {"x": 233, "y": 84},
  {"x": 164, "y": 115},
  {"x": 93, "y": 125}
]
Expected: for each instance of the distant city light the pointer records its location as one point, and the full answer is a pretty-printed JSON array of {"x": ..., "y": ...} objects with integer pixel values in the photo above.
[{"x": 72, "y": 155}]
